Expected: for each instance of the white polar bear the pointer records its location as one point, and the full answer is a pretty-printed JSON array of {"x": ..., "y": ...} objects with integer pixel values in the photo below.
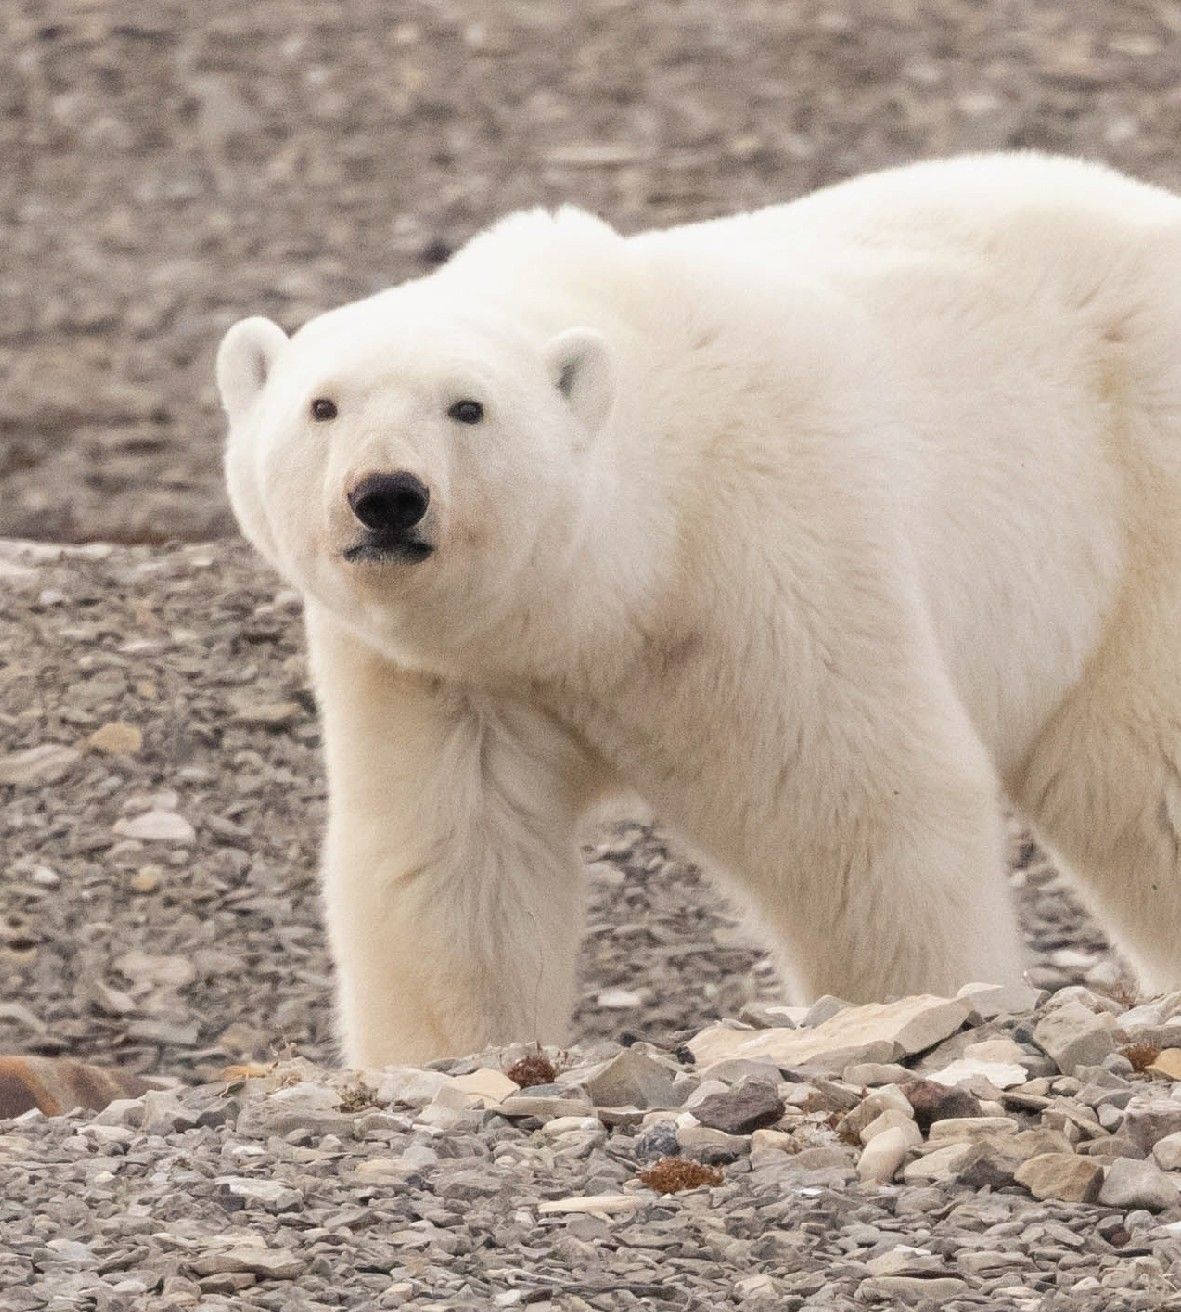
[{"x": 812, "y": 526}]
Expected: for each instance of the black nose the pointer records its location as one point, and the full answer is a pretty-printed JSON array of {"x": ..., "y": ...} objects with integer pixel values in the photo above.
[{"x": 389, "y": 504}]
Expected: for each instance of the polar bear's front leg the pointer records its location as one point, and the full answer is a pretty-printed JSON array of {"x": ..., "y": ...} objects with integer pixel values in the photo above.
[{"x": 452, "y": 882}]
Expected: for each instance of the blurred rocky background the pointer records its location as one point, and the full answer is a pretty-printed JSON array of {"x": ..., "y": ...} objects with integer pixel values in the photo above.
[{"x": 170, "y": 167}]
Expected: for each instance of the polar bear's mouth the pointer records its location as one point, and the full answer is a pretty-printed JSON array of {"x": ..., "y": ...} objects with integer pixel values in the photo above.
[{"x": 377, "y": 547}]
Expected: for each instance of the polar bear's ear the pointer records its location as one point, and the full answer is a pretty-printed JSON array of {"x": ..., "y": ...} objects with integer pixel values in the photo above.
[
  {"x": 580, "y": 365},
  {"x": 244, "y": 359}
]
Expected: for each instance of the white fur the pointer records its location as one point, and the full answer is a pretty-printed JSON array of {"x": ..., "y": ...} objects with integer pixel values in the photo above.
[{"x": 814, "y": 527}]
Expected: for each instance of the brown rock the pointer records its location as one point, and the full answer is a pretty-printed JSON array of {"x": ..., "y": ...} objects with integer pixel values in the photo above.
[
  {"x": 54, "y": 1085},
  {"x": 936, "y": 1102},
  {"x": 752, "y": 1106},
  {"x": 116, "y": 738},
  {"x": 1061, "y": 1175}
]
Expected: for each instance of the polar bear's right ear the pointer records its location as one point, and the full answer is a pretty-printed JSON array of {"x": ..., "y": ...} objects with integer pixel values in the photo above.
[
  {"x": 244, "y": 360},
  {"x": 580, "y": 364}
]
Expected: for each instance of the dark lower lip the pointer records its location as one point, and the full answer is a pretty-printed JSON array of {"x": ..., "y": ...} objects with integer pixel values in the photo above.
[{"x": 373, "y": 548}]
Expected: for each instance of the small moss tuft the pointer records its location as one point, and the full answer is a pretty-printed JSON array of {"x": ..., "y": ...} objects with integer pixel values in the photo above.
[
  {"x": 671, "y": 1175},
  {"x": 357, "y": 1097},
  {"x": 1141, "y": 1055},
  {"x": 534, "y": 1068}
]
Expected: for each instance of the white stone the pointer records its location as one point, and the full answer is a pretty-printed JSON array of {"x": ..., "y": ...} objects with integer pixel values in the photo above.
[
  {"x": 156, "y": 827},
  {"x": 602, "y": 1204},
  {"x": 1003, "y": 1075},
  {"x": 44, "y": 764},
  {"x": 884, "y": 1154},
  {"x": 491, "y": 1085},
  {"x": 874, "y": 1032},
  {"x": 969, "y": 1129},
  {"x": 1135, "y": 1184},
  {"x": 1167, "y": 1152},
  {"x": 989, "y": 1000},
  {"x": 941, "y": 1164},
  {"x": 409, "y": 1085},
  {"x": 891, "y": 1119}
]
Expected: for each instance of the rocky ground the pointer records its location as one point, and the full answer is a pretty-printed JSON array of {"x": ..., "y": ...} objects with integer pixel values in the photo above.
[
  {"x": 171, "y": 167},
  {"x": 161, "y": 800}
]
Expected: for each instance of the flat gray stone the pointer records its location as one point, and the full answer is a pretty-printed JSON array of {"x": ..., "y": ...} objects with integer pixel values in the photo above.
[{"x": 1132, "y": 1183}]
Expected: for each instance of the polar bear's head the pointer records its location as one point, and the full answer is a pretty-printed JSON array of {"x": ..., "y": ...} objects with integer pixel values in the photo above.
[{"x": 415, "y": 463}]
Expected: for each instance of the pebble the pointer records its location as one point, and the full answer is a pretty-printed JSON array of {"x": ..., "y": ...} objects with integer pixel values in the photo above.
[
  {"x": 157, "y": 827},
  {"x": 116, "y": 738}
]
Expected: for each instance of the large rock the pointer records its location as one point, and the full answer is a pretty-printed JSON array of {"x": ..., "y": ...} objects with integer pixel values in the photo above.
[
  {"x": 989, "y": 1000},
  {"x": 632, "y": 1079},
  {"x": 1149, "y": 1117},
  {"x": 1167, "y": 1152},
  {"x": 752, "y": 1106},
  {"x": 1063, "y": 1176},
  {"x": 1072, "y": 1035},
  {"x": 1134, "y": 1184},
  {"x": 874, "y": 1032},
  {"x": 993, "y": 1162}
]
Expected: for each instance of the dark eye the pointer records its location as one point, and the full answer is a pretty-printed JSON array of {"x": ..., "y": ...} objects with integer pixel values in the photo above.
[
  {"x": 467, "y": 412},
  {"x": 323, "y": 408}
]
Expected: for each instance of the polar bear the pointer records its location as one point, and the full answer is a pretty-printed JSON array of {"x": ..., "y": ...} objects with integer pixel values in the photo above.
[{"x": 816, "y": 527}]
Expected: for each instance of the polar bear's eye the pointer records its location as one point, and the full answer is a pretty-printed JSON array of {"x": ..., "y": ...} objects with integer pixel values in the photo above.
[
  {"x": 323, "y": 408},
  {"x": 467, "y": 412}
]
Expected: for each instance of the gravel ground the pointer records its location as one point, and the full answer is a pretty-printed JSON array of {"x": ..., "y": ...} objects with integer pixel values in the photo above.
[
  {"x": 171, "y": 167},
  {"x": 162, "y": 800}
]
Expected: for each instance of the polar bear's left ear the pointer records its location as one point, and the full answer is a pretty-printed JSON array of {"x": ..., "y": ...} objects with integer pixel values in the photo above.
[
  {"x": 244, "y": 360},
  {"x": 580, "y": 364}
]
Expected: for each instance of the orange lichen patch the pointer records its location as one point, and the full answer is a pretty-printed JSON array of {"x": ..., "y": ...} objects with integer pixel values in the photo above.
[
  {"x": 533, "y": 1068},
  {"x": 672, "y": 1175},
  {"x": 1141, "y": 1055},
  {"x": 247, "y": 1070}
]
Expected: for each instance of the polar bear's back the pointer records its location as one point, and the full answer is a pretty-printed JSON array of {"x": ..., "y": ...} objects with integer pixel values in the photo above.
[
  {"x": 971, "y": 202},
  {"x": 1028, "y": 313}
]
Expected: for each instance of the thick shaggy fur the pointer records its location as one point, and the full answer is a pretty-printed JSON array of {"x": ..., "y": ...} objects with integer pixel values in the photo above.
[{"x": 815, "y": 527}]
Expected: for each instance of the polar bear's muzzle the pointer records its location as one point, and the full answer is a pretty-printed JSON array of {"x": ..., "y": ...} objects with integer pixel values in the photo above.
[{"x": 390, "y": 509}]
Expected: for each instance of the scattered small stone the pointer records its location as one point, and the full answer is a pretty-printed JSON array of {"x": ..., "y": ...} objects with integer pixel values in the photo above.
[
  {"x": 48, "y": 763},
  {"x": 619, "y": 999},
  {"x": 604, "y": 1204},
  {"x": 270, "y": 715},
  {"x": 157, "y": 827},
  {"x": 116, "y": 738}
]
